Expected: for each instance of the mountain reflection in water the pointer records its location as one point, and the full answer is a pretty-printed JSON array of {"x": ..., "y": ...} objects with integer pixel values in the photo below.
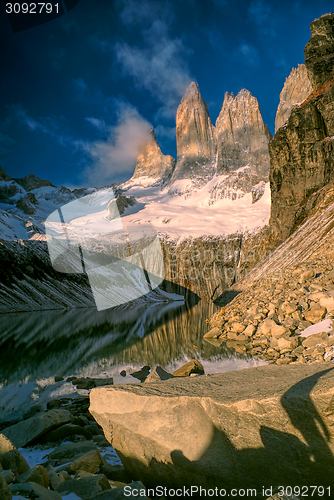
[{"x": 35, "y": 347}]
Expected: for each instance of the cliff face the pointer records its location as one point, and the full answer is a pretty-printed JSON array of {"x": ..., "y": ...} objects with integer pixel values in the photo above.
[
  {"x": 319, "y": 51},
  {"x": 242, "y": 137},
  {"x": 297, "y": 88},
  {"x": 302, "y": 152},
  {"x": 195, "y": 138},
  {"x": 152, "y": 163}
]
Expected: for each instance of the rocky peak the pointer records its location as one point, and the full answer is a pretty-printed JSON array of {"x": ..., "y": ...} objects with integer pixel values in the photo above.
[
  {"x": 196, "y": 146},
  {"x": 319, "y": 51},
  {"x": 297, "y": 87},
  {"x": 242, "y": 137},
  {"x": 30, "y": 182},
  {"x": 152, "y": 163},
  {"x": 301, "y": 153},
  {"x": 4, "y": 176}
]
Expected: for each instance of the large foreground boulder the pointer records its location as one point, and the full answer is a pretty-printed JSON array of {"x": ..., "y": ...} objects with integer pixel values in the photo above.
[{"x": 254, "y": 428}]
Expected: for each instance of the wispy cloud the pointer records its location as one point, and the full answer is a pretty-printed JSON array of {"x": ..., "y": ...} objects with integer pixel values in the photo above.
[
  {"x": 165, "y": 132},
  {"x": 249, "y": 54},
  {"x": 133, "y": 12},
  {"x": 98, "y": 124},
  {"x": 117, "y": 155},
  {"x": 5, "y": 142},
  {"x": 54, "y": 126},
  {"x": 103, "y": 159},
  {"x": 261, "y": 15},
  {"x": 157, "y": 63}
]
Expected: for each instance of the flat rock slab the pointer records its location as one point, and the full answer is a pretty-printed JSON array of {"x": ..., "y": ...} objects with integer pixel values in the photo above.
[
  {"x": 29, "y": 430},
  {"x": 265, "y": 426}
]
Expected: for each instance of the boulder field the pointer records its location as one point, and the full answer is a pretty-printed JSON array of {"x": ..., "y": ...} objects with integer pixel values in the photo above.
[{"x": 265, "y": 426}]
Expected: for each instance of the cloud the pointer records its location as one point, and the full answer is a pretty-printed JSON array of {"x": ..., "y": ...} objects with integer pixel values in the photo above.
[
  {"x": 262, "y": 16},
  {"x": 249, "y": 54},
  {"x": 157, "y": 62},
  {"x": 102, "y": 159},
  {"x": 53, "y": 126},
  {"x": 117, "y": 155},
  {"x": 98, "y": 124},
  {"x": 167, "y": 132},
  {"x": 146, "y": 11},
  {"x": 5, "y": 142}
]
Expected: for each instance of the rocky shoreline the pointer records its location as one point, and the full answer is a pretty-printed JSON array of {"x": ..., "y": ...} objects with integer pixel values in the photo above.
[
  {"x": 268, "y": 319},
  {"x": 75, "y": 461}
]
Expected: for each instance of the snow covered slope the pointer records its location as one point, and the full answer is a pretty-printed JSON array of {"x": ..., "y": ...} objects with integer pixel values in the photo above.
[{"x": 182, "y": 210}]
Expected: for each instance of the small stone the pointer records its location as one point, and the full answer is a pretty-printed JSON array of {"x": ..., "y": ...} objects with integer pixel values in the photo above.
[
  {"x": 5, "y": 491},
  {"x": 29, "y": 430},
  {"x": 37, "y": 475},
  {"x": 5, "y": 444},
  {"x": 249, "y": 331},
  {"x": 141, "y": 374},
  {"x": 315, "y": 314},
  {"x": 193, "y": 366},
  {"x": 287, "y": 343},
  {"x": 238, "y": 327},
  {"x": 213, "y": 333},
  {"x": 114, "y": 472},
  {"x": 86, "y": 487},
  {"x": 231, "y": 335},
  {"x": 157, "y": 374},
  {"x": 89, "y": 462},
  {"x": 15, "y": 461},
  {"x": 34, "y": 490},
  {"x": 8, "y": 476}
]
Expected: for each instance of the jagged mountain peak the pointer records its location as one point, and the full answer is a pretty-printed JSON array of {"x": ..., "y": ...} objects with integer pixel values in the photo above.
[
  {"x": 242, "y": 136},
  {"x": 195, "y": 141},
  {"x": 152, "y": 163},
  {"x": 297, "y": 88},
  {"x": 319, "y": 51},
  {"x": 191, "y": 91}
]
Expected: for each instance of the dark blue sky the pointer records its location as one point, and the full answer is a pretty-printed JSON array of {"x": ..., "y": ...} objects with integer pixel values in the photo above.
[{"x": 76, "y": 93}]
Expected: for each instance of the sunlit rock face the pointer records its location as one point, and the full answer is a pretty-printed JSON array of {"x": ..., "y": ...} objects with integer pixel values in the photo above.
[
  {"x": 242, "y": 137},
  {"x": 152, "y": 163},
  {"x": 195, "y": 138},
  {"x": 319, "y": 51},
  {"x": 297, "y": 87},
  {"x": 199, "y": 428},
  {"x": 302, "y": 152}
]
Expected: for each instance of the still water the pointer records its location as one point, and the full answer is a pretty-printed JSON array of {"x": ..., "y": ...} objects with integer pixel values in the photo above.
[{"x": 36, "y": 347}]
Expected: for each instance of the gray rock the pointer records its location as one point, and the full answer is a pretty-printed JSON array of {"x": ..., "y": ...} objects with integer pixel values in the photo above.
[
  {"x": 37, "y": 475},
  {"x": 33, "y": 490},
  {"x": 89, "y": 462},
  {"x": 199, "y": 429},
  {"x": 8, "y": 476},
  {"x": 30, "y": 430},
  {"x": 13, "y": 460},
  {"x": 85, "y": 487},
  {"x": 65, "y": 432},
  {"x": 158, "y": 373},
  {"x": 132, "y": 491},
  {"x": 114, "y": 472},
  {"x": 5, "y": 491},
  {"x": 71, "y": 451}
]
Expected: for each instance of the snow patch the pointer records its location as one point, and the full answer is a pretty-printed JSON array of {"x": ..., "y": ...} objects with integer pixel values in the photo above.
[{"x": 322, "y": 326}]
